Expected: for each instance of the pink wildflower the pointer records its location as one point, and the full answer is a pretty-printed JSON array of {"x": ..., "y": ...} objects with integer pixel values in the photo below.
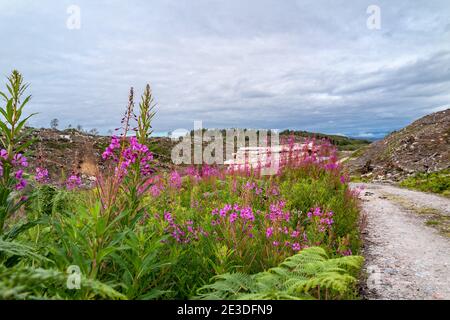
[
  {"x": 41, "y": 175},
  {"x": 73, "y": 182}
]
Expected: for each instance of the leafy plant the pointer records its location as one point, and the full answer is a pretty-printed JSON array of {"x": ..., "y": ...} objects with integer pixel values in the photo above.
[
  {"x": 14, "y": 141},
  {"x": 21, "y": 282},
  {"x": 307, "y": 275}
]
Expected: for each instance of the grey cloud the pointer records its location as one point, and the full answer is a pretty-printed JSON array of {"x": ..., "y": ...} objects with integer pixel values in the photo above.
[{"x": 309, "y": 65}]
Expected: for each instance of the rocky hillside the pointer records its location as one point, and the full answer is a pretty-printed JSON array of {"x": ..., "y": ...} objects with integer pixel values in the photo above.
[{"x": 423, "y": 146}]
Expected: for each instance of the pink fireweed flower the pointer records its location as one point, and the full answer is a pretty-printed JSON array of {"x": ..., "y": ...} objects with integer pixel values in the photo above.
[
  {"x": 4, "y": 154},
  {"x": 109, "y": 151},
  {"x": 296, "y": 246},
  {"x": 322, "y": 219},
  {"x": 20, "y": 160},
  {"x": 135, "y": 152},
  {"x": 275, "y": 243},
  {"x": 269, "y": 232},
  {"x": 247, "y": 214},
  {"x": 168, "y": 217},
  {"x": 347, "y": 252},
  {"x": 233, "y": 217},
  {"x": 22, "y": 183},
  {"x": 175, "y": 180},
  {"x": 331, "y": 166},
  {"x": 295, "y": 234},
  {"x": 208, "y": 171},
  {"x": 18, "y": 174},
  {"x": 41, "y": 175},
  {"x": 73, "y": 182},
  {"x": 276, "y": 212},
  {"x": 155, "y": 191}
]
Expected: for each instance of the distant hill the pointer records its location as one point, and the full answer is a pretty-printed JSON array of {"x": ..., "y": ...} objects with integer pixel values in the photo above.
[
  {"x": 343, "y": 143},
  {"x": 421, "y": 147}
]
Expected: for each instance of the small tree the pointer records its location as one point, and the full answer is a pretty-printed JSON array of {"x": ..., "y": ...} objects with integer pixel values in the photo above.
[
  {"x": 54, "y": 123},
  {"x": 93, "y": 131}
]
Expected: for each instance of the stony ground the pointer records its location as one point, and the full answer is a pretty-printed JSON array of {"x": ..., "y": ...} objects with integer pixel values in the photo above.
[
  {"x": 423, "y": 146},
  {"x": 407, "y": 256}
]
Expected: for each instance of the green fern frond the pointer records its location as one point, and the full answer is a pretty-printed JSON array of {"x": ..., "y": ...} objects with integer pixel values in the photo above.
[
  {"x": 303, "y": 276},
  {"x": 14, "y": 248},
  {"x": 20, "y": 282}
]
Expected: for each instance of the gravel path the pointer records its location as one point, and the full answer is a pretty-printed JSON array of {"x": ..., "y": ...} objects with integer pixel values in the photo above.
[{"x": 405, "y": 258}]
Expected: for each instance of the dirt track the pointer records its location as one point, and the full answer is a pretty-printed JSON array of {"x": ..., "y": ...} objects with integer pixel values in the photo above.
[{"x": 407, "y": 256}]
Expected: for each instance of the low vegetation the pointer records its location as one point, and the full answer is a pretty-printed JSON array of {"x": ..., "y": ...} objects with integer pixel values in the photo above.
[{"x": 437, "y": 182}]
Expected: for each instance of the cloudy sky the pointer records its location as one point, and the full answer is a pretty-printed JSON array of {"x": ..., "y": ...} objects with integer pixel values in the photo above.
[{"x": 310, "y": 65}]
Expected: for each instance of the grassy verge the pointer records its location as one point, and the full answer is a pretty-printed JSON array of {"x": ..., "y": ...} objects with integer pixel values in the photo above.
[{"x": 436, "y": 182}]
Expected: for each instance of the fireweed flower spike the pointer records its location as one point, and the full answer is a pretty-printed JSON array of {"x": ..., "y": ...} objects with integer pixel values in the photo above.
[
  {"x": 41, "y": 175},
  {"x": 73, "y": 182},
  {"x": 22, "y": 183}
]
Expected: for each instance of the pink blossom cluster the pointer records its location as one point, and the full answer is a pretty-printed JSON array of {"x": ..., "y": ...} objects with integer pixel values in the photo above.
[
  {"x": 205, "y": 172},
  {"x": 74, "y": 181},
  {"x": 19, "y": 161},
  {"x": 133, "y": 153},
  {"x": 183, "y": 233},
  {"x": 193, "y": 173},
  {"x": 323, "y": 220},
  {"x": 209, "y": 171},
  {"x": 346, "y": 252},
  {"x": 277, "y": 213},
  {"x": 41, "y": 175},
  {"x": 21, "y": 182},
  {"x": 278, "y": 232},
  {"x": 252, "y": 186},
  {"x": 155, "y": 190},
  {"x": 284, "y": 235},
  {"x": 231, "y": 213},
  {"x": 175, "y": 180},
  {"x": 312, "y": 153}
]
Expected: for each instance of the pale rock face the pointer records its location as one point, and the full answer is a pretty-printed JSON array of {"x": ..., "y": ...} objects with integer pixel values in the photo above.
[{"x": 262, "y": 156}]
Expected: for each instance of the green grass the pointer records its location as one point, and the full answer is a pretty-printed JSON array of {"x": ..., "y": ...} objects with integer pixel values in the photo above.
[{"x": 436, "y": 182}]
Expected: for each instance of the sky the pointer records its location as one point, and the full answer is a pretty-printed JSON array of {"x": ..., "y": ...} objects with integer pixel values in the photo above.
[{"x": 266, "y": 64}]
